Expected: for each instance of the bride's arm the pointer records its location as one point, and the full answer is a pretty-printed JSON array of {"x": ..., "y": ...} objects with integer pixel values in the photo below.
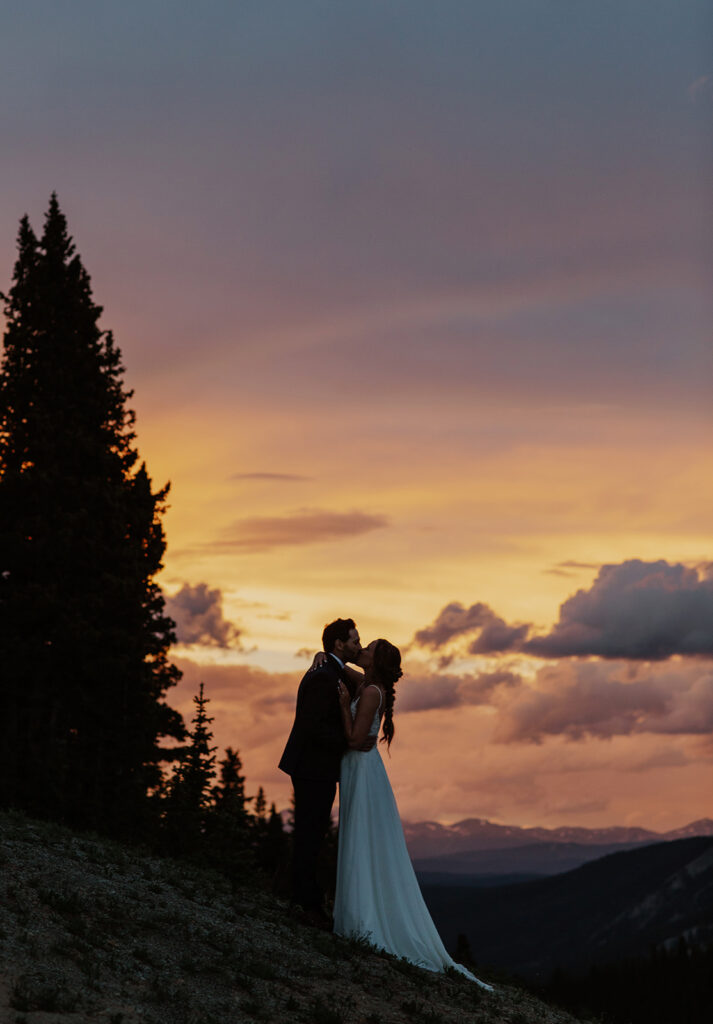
[
  {"x": 356, "y": 677},
  {"x": 357, "y": 731}
]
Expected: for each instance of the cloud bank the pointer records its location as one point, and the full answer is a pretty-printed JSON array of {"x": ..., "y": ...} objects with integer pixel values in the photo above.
[
  {"x": 643, "y": 611},
  {"x": 430, "y": 691},
  {"x": 576, "y": 699},
  {"x": 605, "y": 699},
  {"x": 638, "y": 610}
]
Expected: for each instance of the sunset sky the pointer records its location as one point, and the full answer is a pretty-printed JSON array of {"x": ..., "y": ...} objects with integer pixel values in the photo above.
[{"x": 416, "y": 301}]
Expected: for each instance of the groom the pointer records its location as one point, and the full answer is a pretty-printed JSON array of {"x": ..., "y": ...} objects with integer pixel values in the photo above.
[{"x": 312, "y": 757}]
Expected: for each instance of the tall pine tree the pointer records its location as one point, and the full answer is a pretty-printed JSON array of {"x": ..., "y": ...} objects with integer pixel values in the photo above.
[{"x": 83, "y": 634}]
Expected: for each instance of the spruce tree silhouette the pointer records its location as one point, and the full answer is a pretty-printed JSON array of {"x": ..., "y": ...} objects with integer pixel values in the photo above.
[
  {"x": 83, "y": 634},
  {"x": 261, "y": 805},
  {"x": 259, "y": 821},
  {"x": 229, "y": 821},
  {"x": 274, "y": 849},
  {"x": 229, "y": 797},
  {"x": 189, "y": 796}
]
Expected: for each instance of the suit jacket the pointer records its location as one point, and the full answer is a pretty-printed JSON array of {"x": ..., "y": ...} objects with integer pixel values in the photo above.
[{"x": 316, "y": 744}]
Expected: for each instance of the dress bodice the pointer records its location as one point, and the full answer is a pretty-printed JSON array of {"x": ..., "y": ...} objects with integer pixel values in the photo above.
[{"x": 374, "y": 728}]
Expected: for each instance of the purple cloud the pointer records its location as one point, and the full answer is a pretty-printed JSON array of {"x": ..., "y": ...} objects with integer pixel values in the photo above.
[
  {"x": 453, "y": 621},
  {"x": 605, "y": 699},
  {"x": 637, "y": 610},
  {"x": 644, "y": 611},
  {"x": 198, "y": 614},
  {"x": 427, "y": 692},
  {"x": 305, "y": 526}
]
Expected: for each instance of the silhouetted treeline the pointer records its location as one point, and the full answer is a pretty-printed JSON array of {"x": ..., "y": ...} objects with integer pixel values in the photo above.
[
  {"x": 213, "y": 824},
  {"x": 669, "y": 987}
]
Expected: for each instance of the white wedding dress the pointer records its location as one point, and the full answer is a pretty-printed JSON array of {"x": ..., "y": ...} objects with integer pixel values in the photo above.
[{"x": 378, "y": 897}]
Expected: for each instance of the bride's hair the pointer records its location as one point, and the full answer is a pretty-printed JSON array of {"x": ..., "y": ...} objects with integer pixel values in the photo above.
[{"x": 386, "y": 667}]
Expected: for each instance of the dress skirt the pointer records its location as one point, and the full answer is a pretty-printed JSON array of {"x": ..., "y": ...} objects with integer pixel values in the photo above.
[{"x": 378, "y": 897}]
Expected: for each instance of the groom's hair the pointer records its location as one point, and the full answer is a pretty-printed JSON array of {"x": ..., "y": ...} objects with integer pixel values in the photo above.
[{"x": 337, "y": 630}]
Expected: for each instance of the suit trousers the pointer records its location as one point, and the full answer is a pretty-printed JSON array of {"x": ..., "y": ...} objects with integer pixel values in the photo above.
[{"x": 313, "y": 810}]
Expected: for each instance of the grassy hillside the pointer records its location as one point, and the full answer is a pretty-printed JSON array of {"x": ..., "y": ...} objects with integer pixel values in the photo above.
[{"x": 95, "y": 933}]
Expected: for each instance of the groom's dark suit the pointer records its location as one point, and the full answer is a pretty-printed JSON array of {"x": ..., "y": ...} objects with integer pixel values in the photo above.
[{"x": 312, "y": 758}]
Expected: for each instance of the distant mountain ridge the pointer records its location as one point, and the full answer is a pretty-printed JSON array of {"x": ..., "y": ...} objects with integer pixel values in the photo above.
[
  {"x": 429, "y": 839},
  {"x": 480, "y": 867},
  {"x": 617, "y": 906}
]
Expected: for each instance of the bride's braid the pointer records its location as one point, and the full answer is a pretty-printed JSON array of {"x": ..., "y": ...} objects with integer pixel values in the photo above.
[{"x": 387, "y": 669}]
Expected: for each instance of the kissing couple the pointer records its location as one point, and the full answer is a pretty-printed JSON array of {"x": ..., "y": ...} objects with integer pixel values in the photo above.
[{"x": 340, "y": 712}]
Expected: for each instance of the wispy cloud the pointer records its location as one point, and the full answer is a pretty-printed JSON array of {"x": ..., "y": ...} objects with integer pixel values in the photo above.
[
  {"x": 304, "y": 526},
  {"x": 702, "y": 86},
  {"x": 281, "y": 477},
  {"x": 569, "y": 568},
  {"x": 571, "y": 564}
]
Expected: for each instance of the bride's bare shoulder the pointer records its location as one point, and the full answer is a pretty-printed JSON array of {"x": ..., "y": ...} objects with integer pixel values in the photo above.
[{"x": 369, "y": 694}]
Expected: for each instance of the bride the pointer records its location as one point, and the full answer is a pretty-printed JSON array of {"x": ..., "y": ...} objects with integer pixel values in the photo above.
[{"x": 378, "y": 897}]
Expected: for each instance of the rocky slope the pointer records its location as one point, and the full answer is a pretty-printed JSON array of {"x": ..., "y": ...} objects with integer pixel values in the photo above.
[{"x": 95, "y": 933}]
